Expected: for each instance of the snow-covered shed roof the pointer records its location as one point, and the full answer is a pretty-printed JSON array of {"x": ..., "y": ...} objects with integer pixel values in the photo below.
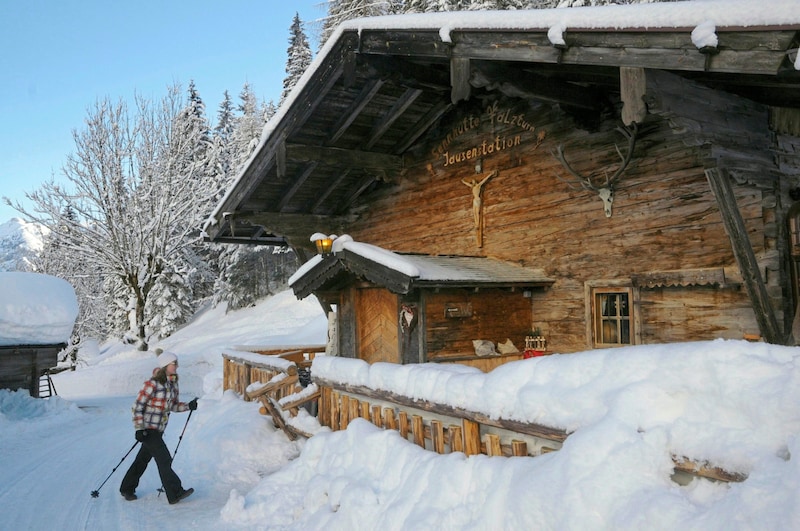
[
  {"x": 400, "y": 273},
  {"x": 36, "y": 309},
  {"x": 380, "y": 84}
]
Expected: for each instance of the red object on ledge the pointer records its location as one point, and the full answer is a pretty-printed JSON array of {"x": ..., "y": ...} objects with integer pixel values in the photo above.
[{"x": 531, "y": 353}]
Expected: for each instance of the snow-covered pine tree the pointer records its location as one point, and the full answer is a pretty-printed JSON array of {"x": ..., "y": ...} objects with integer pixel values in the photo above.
[
  {"x": 249, "y": 125},
  {"x": 299, "y": 56},
  {"x": 172, "y": 305},
  {"x": 341, "y": 10},
  {"x": 195, "y": 264},
  {"x": 223, "y": 152}
]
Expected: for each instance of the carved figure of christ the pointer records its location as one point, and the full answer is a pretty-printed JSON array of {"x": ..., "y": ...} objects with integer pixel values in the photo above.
[{"x": 477, "y": 203}]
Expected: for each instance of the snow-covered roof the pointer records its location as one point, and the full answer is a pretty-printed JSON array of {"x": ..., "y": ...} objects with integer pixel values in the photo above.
[
  {"x": 401, "y": 272},
  {"x": 334, "y": 81},
  {"x": 36, "y": 309},
  {"x": 652, "y": 16}
]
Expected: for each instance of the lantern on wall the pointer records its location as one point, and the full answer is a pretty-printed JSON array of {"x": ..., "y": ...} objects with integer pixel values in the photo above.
[{"x": 323, "y": 242}]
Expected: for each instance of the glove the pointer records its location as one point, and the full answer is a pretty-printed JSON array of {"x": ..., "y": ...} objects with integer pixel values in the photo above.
[
  {"x": 193, "y": 404},
  {"x": 141, "y": 435}
]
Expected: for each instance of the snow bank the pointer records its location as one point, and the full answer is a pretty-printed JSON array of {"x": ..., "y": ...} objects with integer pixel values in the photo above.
[
  {"x": 36, "y": 309},
  {"x": 692, "y": 394}
]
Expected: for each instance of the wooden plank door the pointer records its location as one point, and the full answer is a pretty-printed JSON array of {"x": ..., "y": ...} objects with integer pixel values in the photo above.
[{"x": 376, "y": 325}]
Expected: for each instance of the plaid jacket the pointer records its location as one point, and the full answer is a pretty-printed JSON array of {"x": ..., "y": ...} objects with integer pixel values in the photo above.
[{"x": 154, "y": 403}]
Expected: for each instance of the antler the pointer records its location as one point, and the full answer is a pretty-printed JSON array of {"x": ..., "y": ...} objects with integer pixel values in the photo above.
[
  {"x": 587, "y": 182},
  {"x": 606, "y": 192}
]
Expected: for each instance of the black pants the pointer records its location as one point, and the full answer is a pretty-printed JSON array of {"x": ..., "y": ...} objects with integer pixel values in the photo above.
[{"x": 153, "y": 447}]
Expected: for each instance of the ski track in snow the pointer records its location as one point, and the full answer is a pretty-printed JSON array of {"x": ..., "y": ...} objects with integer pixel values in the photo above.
[{"x": 32, "y": 497}]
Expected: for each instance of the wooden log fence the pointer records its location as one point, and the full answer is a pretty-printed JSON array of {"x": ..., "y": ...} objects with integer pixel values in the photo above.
[
  {"x": 436, "y": 427},
  {"x": 254, "y": 365}
]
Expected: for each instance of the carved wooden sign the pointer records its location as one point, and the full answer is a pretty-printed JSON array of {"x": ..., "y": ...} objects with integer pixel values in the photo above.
[{"x": 513, "y": 124}]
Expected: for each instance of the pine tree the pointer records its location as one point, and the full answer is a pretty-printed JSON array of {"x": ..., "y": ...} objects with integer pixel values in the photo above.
[
  {"x": 172, "y": 305},
  {"x": 299, "y": 56},
  {"x": 249, "y": 126},
  {"x": 342, "y": 10}
]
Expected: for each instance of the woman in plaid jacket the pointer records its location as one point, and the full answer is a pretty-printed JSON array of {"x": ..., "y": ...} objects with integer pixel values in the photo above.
[{"x": 158, "y": 397}]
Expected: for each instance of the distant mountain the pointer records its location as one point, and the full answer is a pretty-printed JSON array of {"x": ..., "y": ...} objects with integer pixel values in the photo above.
[{"x": 20, "y": 242}]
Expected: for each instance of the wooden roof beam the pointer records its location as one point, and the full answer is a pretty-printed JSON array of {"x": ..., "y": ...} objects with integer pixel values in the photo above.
[
  {"x": 400, "y": 71},
  {"x": 362, "y": 100},
  {"x": 745, "y": 256},
  {"x": 333, "y": 186},
  {"x": 345, "y": 158},
  {"x": 668, "y": 50},
  {"x": 297, "y": 184},
  {"x": 306, "y": 104},
  {"x": 459, "y": 79},
  {"x": 296, "y": 228},
  {"x": 422, "y": 125},
  {"x": 519, "y": 83},
  {"x": 400, "y": 106}
]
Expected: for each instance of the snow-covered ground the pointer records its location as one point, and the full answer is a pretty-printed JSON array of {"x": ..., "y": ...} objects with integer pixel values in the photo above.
[{"x": 733, "y": 402}]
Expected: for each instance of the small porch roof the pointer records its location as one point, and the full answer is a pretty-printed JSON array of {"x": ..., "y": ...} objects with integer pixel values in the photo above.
[{"x": 401, "y": 273}]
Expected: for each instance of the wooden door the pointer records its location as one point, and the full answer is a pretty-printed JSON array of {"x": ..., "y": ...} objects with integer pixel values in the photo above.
[{"x": 376, "y": 325}]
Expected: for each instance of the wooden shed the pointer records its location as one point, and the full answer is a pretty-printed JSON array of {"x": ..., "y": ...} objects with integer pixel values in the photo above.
[
  {"x": 21, "y": 366},
  {"x": 37, "y": 317},
  {"x": 646, "y": 183}
]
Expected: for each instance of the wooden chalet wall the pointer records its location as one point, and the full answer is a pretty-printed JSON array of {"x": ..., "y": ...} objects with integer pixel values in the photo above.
[
  {"x": 369, "y": 328},
  {"x": 495, "y": 316},
  {"x": 665, "y": 224}
]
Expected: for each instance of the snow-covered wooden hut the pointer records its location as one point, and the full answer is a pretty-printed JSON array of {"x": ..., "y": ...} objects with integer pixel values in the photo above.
[
  {"x": 37, "y": 317},
  {"x": 637, "y": 165}
]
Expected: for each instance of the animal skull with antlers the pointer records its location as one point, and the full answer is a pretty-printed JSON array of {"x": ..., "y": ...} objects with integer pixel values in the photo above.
[{"x": 606, "y": 190}]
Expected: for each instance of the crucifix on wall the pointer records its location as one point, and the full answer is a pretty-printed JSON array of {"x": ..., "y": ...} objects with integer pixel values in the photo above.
[{"x": 477, "y": 203}]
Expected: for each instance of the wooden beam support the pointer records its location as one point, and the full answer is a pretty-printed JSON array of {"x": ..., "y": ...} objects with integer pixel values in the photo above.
[
  {"x": 632, "y": 88},
  {"x": 745, "y": 256},
  {"x": 459, "y": 79},
  {"x": 333, "y": 186}
]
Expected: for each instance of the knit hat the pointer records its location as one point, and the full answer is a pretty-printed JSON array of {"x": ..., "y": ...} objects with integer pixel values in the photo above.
[{"x": 166, "y": 358}]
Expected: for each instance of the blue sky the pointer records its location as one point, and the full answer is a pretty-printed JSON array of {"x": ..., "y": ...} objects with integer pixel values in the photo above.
[{"x": 57, "y": 57}]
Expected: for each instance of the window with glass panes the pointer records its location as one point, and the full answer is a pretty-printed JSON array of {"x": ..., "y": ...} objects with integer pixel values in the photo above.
[{"x": 612, "y": 317}]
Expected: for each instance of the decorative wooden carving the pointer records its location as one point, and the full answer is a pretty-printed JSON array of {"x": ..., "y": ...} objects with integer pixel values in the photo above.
[{"x": 477, "y": 204}]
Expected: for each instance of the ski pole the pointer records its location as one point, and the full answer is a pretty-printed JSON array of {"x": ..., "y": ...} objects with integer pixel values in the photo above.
[
  {"x": 180, "y": 438},
  {"x": 96, "y": 493}
]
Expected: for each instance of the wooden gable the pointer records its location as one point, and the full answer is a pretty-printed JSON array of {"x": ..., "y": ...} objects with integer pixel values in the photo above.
[{"x": 375, "y": 93}]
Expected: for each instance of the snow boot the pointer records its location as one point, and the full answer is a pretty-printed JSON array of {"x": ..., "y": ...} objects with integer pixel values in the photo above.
[
  {"x": 184, "y": 494},
  {"x": 130, "y": 496}
]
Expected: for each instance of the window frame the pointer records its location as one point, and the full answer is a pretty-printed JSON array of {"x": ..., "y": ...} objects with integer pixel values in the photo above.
[
  {"x": 793, "y": 234},
  {"x": 594, "y": 315}
]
